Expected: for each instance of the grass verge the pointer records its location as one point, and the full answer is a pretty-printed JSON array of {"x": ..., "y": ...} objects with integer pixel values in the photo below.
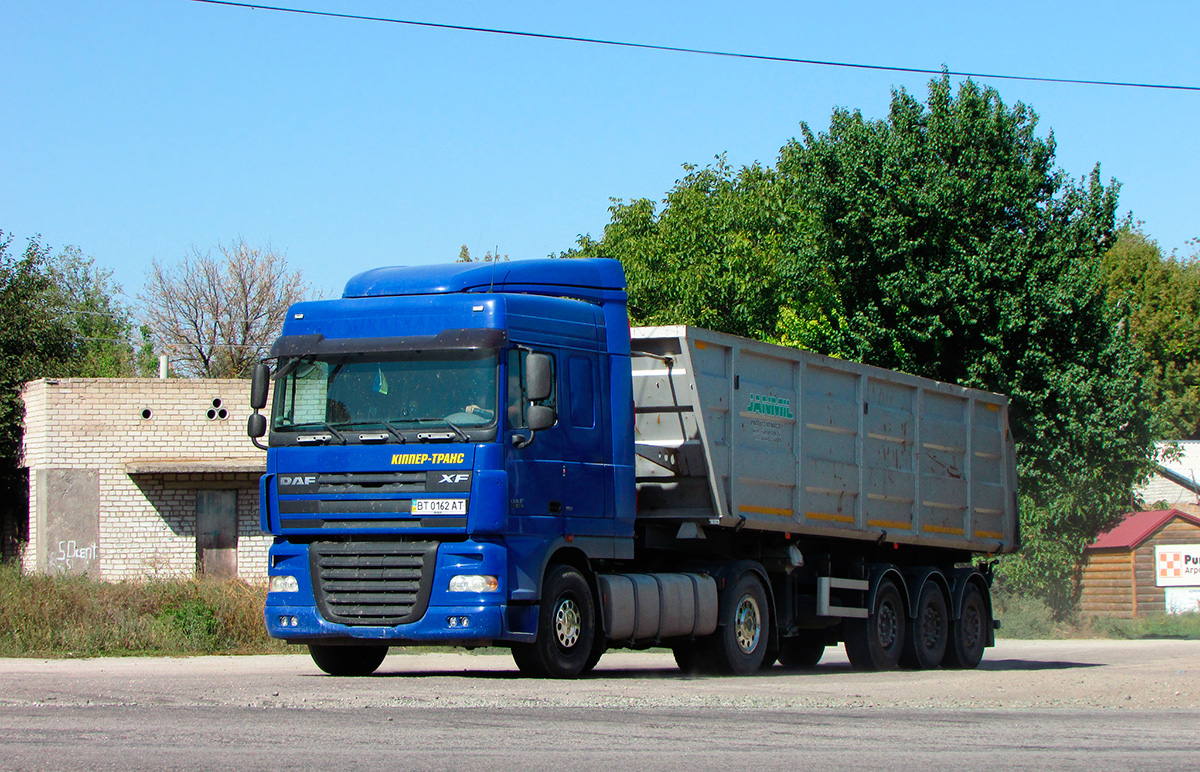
[
  {"x": 44, "y": 616},
  {"x": 1026, "y": 617}
]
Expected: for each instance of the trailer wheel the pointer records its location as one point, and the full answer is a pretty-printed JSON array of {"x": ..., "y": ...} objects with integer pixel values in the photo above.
[
  {"x": 801, "y": 652},
  {"x": 929, "y": 633},
  {"x": 740, "y": 643},
  {"x": 566, "y": 627},
  {"x": 348, "y": 661},
  {"x": 875, "y": 643},
  {"x": 968, "y": 633}
]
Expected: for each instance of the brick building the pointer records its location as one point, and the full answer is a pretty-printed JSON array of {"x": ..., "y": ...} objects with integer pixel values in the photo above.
[{"x": 134, "y": 477}]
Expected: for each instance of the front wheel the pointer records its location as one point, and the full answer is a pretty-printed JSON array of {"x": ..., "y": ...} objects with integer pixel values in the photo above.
[
  {"x": 566, "y": 628},
  {"x": 347, "y": 661}
]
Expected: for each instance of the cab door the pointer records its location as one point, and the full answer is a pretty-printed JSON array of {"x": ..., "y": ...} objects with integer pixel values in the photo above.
[{"x": 585, "y": 498}]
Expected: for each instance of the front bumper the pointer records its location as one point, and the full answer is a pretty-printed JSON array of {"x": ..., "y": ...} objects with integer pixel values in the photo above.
[
  {"x": 440, "y": 616},
  {"x": 301, "y": 624}
]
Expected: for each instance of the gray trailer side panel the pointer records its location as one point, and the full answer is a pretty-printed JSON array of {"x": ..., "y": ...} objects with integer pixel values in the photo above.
[{"x": 734, "y": 432}]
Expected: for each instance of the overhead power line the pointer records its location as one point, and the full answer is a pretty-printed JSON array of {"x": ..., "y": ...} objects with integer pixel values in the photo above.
[{"x": 701, "y": 51}]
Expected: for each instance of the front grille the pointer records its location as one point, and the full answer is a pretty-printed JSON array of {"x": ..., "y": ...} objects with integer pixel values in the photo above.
[
  {"x": 372, "y": 583},
  {"x": 351, "y": 483}
]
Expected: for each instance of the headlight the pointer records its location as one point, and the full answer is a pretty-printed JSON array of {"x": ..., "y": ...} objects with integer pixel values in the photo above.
[
  {"x": 474, "y": 583},
  {"x": 284, "y": 584}
]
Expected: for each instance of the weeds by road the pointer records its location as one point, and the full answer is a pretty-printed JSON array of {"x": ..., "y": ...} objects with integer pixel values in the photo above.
[
  {"x": 1029, "y": 618},
  {"x": 43, "y": 616}
]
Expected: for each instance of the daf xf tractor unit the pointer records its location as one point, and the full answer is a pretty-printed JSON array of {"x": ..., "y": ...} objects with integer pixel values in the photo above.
[{"x": 488, "y": 455}]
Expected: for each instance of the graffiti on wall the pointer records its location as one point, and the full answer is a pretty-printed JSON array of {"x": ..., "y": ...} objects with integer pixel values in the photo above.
[{"x": 70, "y": 557}]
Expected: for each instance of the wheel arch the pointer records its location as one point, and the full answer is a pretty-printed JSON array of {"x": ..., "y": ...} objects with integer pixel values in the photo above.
[
  {"x": 916, "y": 580},
  {"x": 888, "y": 571},
  {"x": 563, "y": 554},
  {"x": 727, "y": 575}
]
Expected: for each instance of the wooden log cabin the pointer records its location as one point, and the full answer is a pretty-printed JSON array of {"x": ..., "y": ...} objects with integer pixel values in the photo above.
[{"x": 1119, "y": 574}]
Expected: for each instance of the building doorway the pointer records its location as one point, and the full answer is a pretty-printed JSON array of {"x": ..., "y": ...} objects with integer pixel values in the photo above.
[{"x": 216, "y": 533}]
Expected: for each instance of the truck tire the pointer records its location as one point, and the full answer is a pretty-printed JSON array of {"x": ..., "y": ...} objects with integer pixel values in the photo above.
[
  {"x": 875, "y": 643},
  {"x": 599, "y": 646},
  {"x": 801, "y": 652},
  {"x": 744, "y": 628},
  {"x": 968, "y": 633},
  {"x": 566, "y": 628},
  {"x": 347, "y": 661},
  {"x": 929, "y": 632}
]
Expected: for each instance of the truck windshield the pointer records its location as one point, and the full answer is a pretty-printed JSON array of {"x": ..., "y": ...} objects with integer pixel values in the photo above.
[{"x": 448, "y": 390}]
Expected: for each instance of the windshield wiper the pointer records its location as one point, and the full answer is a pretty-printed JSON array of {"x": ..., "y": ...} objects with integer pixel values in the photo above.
[
  {"x": 457, "y": 430},
  {"x": 395, "y": 432}
]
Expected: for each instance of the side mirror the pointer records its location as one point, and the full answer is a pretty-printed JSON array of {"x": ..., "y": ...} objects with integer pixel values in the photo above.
[
  {"x": 256, "y": 426},
  {"x": 260, "y": 381},
  {"x": 539, "y": 375},
  {"x": 540, "y": 417}
]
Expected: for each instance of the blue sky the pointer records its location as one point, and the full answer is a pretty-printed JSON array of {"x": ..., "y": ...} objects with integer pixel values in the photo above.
[{"x": 139, "y": 129}]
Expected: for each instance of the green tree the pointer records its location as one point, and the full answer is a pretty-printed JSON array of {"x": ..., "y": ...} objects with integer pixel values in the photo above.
[
  {"x": 712, "y": 257},
  {"x": 102, "y": 327},
  {"x": 961, "y": 253},
  {"x": 464, "y": 256},
  {"x": 1162, "y": 297}
]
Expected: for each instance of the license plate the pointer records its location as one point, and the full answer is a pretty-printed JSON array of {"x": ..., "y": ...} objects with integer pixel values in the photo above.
[{"x": 439, "y": 506}]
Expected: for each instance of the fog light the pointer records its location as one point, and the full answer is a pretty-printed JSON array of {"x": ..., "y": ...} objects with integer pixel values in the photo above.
[
  {"x": 284, "y": 584},
  {"x": 474, "y": 583},
  {"x": 458, "y": 621}
]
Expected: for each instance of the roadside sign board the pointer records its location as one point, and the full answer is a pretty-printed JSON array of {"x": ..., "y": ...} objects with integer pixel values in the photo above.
[
  {"x": 1177, "y": 565},
  {"x": 1183, "y": 600}
]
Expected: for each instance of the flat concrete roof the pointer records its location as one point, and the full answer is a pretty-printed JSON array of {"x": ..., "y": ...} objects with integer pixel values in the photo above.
[{"x": 197, "y": 466}]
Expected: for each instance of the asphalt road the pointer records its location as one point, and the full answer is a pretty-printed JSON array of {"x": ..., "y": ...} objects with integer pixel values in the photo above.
[{"x": 1062, "y": 705}]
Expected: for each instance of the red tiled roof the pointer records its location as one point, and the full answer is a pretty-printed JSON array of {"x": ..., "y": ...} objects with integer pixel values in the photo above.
[{"x": 1136, "y": 528}]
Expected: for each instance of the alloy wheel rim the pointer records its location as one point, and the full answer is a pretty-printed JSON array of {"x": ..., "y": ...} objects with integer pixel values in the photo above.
[
  {"x": 567, "y": 622},
  {"x": 746, "y": 624}
]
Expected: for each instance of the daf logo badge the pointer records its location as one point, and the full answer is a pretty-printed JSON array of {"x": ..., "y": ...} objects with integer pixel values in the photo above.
[{"x": 301, "y": 480}]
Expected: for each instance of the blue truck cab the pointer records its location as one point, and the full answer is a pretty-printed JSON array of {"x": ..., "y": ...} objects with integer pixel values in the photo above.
[{"x": 436, "y": 436}]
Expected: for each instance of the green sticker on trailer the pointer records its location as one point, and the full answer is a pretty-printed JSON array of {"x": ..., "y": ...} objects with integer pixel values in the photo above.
[{"x": 763, "y": 404}]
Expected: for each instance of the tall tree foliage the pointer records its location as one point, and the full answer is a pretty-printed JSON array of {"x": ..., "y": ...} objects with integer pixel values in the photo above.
[
  {"x": 1162, "y": 296},
  {"x": 960, "y": 252},
  {"x": 712, "y": 257},
  {"x": 216, "y": 315}
]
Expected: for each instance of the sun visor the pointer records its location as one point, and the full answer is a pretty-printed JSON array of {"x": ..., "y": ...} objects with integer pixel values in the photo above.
[{"x": 319, "y": 345}]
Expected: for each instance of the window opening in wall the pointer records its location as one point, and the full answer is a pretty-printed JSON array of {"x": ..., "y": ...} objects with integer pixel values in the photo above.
[{"x": 147, "y": 414}]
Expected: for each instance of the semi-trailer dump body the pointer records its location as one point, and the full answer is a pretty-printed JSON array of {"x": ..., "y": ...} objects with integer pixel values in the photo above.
[{"x": 488, "y": 455}]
